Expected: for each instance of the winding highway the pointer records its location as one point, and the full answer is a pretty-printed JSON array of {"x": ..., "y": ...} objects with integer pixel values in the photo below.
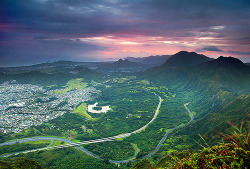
[
  {"x": 169, "y": 131},
  {"x": 70, "y": 143},
  {"x": 77, "y": 145}
]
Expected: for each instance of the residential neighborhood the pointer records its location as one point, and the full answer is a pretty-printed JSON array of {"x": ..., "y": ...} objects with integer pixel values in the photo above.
[{"x": 26, "y": 105}]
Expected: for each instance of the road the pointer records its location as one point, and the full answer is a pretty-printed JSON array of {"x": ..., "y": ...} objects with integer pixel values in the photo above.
[
  {"x": 156, "y": 113},
  {"x": 77, "y": 145},
  {"x": 164, "y": 137},
  {"x": 70, "y": 143},
  {"x": 169, "y": 131},
  {"x": 190, "y": 113}
]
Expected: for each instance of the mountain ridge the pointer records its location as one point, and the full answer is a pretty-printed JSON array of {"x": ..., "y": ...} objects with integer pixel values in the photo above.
[
  {"x": 229, "y": 72},
  {"x": 151, "y": 60},
  {"x": 122, "y": 66},
  {"x": 184, "y": 58}
]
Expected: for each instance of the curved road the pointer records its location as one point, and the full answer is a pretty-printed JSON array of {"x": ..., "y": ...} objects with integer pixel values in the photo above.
[
  {"x": 169, "y": 131},
  {"x": 107, "y": 139},
  {"x": 44, "y": 138}
]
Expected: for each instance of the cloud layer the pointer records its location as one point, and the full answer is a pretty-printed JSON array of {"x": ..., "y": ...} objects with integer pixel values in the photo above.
[{"x": 34, "y": 31}]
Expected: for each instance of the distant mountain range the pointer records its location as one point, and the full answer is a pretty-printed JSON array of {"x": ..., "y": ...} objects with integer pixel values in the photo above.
[
  {"x": 122, "y": 66},
  {"x": 150, "y": 60},
  {"x": 50, "y": 67},
  {"x": 188, "y": 68},
  {"x": 61, "y": 66}
]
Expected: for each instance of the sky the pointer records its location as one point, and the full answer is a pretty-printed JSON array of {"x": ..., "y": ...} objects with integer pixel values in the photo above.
[{"x": 37, "y": 31}]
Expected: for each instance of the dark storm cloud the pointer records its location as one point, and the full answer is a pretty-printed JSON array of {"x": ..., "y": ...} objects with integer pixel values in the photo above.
[
  {"x": 212, "y": 48},
  {"x": 103, "y": 17},
  {"x": 51, "y": 17},
  {"x": 47, "y": 24},
  {"x": 202, "y": 18},
  {"x": 68, "y": 44},
  {"x": 195, "y": 11}
]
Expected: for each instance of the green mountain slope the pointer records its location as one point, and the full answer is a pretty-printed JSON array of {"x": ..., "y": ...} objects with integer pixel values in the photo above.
[
  {"x": 232, "y": 153},
  {"x": 228, "y": 73},
  {"x": 209, "y": 126},
  {"x": 218, "y": 92},
  {"x": 184, "y": 58},
  {"x": 225, "y": 72}
]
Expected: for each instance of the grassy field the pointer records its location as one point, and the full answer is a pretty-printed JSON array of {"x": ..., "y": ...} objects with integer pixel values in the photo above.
[
  {"x": 82, "y": 110},
  {"x": 72, "y": 85}
]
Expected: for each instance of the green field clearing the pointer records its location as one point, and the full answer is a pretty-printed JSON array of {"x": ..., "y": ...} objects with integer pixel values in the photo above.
[
  {"x": 72, "y": 85},
  {"x": 82, "y": 110}
]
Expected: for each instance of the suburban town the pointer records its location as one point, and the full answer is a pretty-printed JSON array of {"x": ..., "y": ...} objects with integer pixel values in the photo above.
[{"x": 26, "y": 105}]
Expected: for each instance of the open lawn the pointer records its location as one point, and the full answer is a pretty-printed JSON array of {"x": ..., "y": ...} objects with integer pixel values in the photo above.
[
  {"x": 72, "y": 85},
  {"x": 82, "y": 110}
]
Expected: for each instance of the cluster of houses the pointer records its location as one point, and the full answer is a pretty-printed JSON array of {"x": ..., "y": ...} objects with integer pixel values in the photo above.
[{"x": 26, "y": 105}]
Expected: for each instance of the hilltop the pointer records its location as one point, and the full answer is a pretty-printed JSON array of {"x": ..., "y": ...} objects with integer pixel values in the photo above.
[{"x": 184, "y": 58}]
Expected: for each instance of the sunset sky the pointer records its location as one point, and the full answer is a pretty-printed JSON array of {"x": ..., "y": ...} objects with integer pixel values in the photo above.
[{"x": 35, "y": 31}]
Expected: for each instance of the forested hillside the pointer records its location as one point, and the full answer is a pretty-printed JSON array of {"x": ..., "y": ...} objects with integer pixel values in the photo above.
[
  {"x": 232, "y": 152},
  {"x": 218, "y": 91}
]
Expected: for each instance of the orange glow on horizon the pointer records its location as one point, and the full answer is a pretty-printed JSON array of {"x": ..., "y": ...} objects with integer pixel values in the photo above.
[{"x": 142, "y": 46}]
